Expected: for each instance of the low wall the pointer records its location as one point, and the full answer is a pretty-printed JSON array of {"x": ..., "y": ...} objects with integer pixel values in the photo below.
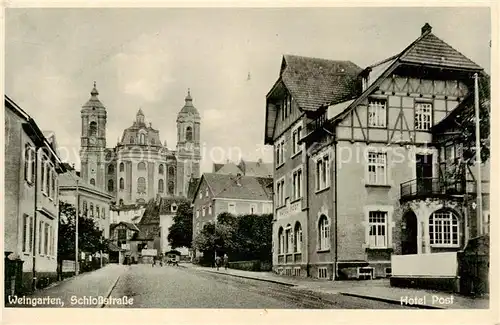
[
  {"x": 437, "y": 271},
  {"x": 254, "y": 265}
]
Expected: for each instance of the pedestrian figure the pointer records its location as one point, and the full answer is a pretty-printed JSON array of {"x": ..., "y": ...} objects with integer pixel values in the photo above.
[
  {"x": 217, "y": 262},
  {"x": 226, "y": 261}
]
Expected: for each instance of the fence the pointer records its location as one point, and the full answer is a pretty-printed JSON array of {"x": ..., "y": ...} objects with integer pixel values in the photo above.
[{"x": 254, "y": 265}]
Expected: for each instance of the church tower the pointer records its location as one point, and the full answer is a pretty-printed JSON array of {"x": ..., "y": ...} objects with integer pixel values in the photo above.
[
  {"x": 188, "y": 145},
  {"x": 93, "y": 141}
]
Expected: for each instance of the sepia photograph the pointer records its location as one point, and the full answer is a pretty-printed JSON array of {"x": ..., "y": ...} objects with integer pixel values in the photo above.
[{"x": 247, "y": 158}]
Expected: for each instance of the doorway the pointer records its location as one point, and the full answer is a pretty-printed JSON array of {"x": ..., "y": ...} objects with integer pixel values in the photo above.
[
  {"x": 409, "y": 234},
  {"x": 424, "y": 173}
]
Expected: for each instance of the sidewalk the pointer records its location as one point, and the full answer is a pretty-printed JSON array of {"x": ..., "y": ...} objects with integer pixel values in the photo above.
[
  {"x": 379, "y": 289},
  {"x": 75, "y": 291}
]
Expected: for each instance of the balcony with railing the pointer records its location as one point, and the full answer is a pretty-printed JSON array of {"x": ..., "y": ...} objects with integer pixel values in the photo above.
[
  {"x": 312, "y": 128},
  {"x": 431, "y": 187}
]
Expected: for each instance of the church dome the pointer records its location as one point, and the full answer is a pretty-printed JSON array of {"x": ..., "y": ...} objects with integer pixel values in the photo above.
[
  {"x": 188, "y": 106},
  {"x": 93, "y": 102}
]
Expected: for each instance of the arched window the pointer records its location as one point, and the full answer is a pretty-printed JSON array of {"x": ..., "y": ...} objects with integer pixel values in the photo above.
[
  {"x": 121, "y": 203},
  {"x": 281, "y": 241},
  {"x": 141, "y": 185},
  {"x": 288, "y": 239},
  {"x": 171, "y": 172},
  {"x": 91, "y": 210},
  {"x": 297, "y": 238},
  {"x": 84, "y": 208},
  {"x": 141, "y": 166},
  {"x": 152, "y": 141},
  {"x": 92, "y": 181},
  {"x": 132, "y": 140},
  {"x": 97, "y": 211},
  {"x": 111, "y": 185},
  {"x": 160, "y": 169},
  {"x": 122, "y": 167},
  {"x": 92, "y": 129},
  {"x": 189, "y": 133},
  {"x": 160, "y": 186},
  {"x": 122, "y": 183},
  {"x": 443, "y": 228},
  {"x": 103, "y": 213},
  {"x": 171, "y": 187},
  {"x": 142, "y": 138},
  {"x": 111, "y": 169},
  {"x": 324, "y": 233}
]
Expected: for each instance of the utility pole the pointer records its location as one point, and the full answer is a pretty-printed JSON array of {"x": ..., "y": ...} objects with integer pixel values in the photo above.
[
  {"x": 77, "y": 265},
  {"x": 479, "y": 210}
]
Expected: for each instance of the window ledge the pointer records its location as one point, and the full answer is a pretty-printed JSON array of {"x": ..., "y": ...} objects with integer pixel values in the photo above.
[
  {"x": 367, "y": 248},
  {"x": 296, "y": 200},
  {"x": 378, "y": 127},
  {"x": 322, "y": 190},
  {"x": 280, "y": 165},
  {"x": 445, "y": 246},
  {"x": 296, "y": 154},
  {"x": 326, "y": 250},
  {"x": 378, "y": 185}
]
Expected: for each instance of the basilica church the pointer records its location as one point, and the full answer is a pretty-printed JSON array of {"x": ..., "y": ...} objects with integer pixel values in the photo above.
[{"x": 140, "y": 167}]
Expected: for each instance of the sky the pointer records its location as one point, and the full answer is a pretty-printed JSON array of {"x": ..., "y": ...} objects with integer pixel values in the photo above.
[{"x": 229, "y": 58}]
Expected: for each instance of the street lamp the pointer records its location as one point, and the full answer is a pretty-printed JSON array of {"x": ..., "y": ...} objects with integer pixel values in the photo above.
[{"x": 77, "y": 265}]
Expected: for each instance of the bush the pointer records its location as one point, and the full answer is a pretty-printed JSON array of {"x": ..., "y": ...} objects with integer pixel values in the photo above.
[{"x": 254, "y": 265}]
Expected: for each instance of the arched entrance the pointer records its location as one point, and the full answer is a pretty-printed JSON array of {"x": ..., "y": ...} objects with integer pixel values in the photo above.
[{"x": 409, "y": 242}]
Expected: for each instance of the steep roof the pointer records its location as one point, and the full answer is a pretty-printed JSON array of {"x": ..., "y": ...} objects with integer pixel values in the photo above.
[
  {"x": 129, "y": 225},
  {"x": 193, "y": 184},
  {"x": 314, "y": 82},
  {"x": 230, "y": 168},
  {"x": 237, "y": 187},
  {"x": 94, "y": 101},
  {"x": 256, "y": 168},
  {"x": 188, "y": 106},
  {"x": 157, "y": 207}
]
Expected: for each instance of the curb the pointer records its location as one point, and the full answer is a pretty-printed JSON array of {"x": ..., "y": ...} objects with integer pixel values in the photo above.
[
  {"x": 388, "y": 300},
  {"x": 251, "y": 278},
  {"x": 111, "y": 289}
]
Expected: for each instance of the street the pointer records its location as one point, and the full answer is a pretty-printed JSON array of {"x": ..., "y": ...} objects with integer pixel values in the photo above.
[{"x": 180, "y": 287}]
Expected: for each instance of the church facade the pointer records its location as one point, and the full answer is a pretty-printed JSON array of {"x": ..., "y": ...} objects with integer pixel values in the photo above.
[{"x": 139, "y": 167}]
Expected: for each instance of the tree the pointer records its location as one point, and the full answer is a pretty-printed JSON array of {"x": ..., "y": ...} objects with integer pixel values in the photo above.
[
  {"x": 181, "y": 232},
  {"x": 90, "y": 238}
]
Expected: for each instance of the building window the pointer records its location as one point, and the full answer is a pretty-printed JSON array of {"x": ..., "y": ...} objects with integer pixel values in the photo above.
[
  {"x": 189, "y": 133},
  {"x": 324, "y": 233},
  {"x": 203, "y": 211},
  {"x": 197, "y": 213},
  {"x": 377, "y": 171},
  {"x": 122, "y": 183},
  {"x": 253, "y": 208},
  {"x": 171, "y": 187},
  {"x": 323, "y": 272},
  {"x": 122, "y": 167},
  {"x": 210, "y": 209},
  {"x": 92, "y": 181},
  {"x": 281, "y": 241},
  {"x": 111, "y": 169},
  {"x": 289, "y": 239},
  {"x": 206, "y": 192},
  {"x": 26, "y": 233},
  {"x": 443, "y": 229},
  {"x": 103, "y": 213},
  {"x": 231, "y": 208},
  {"x": 280, "y": 192},
  {"x": 280, "y": 153},
  {"x": 297, "y": 238},
  {"x": 46, "y": 239},
  {"x": 91, "y": 208},
  {"x": 160, "y": 169},
  {"x": 97, "y": 212},
  {"x": 423, "y": 115},
  {"x": 377, "y": 223},
  {"x": 111, "y": 185},
  {"x": 296, "y": 136},
  {"x": 297, "y": 184},
  {"x": 92, "y": 129},
  {"x": 142, "y": 138},
  {"x": 160, "y": 186},
  {"x": 323, "y": 173},
  {"x": 84, "y": 208},
  {"x": 141, "y": 166},
  {"x": 141, "y": 185},
  {"x": 29, "y": 164},
  {"x": 377, "y": 113},
  {"x": 122, "y": 234}
]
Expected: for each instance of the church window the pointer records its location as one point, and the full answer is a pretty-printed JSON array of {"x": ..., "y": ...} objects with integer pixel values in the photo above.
[
  {"x": 132, "y": 140},
  {"x": 160, "y": 169},
  {"x": 92, "y": 181},
  {"x": 91, "y": 214},
  {"x": 111, "y": 169},
  {"x": 152, "y": 141},
  {"x": 92, "y": 129},
  {"x": 141, "y": 166},
  {"x": 160, "y": 186},
  {"x": 111, "y": 185},
  {"x": 189, "y": 133},
  {"x": 171, "y": 187},
  {"x": 142, "y": 138},
  {"x": 171, "y": 172},
  {"x": 141, "y": 185},
  {"x": 122, "y": 167},
  {"x": 122, "y": 183}
]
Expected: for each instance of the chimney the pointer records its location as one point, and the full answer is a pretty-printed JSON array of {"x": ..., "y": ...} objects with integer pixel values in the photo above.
[{"x": 426, "y": 28}]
